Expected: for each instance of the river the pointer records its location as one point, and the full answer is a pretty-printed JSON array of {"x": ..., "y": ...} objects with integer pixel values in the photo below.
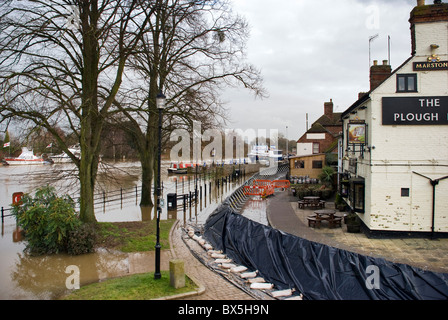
[{"x": 27, "y": 277}]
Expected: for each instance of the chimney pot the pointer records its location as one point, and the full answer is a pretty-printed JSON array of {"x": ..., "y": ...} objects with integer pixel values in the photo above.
[
  {"x": 375, "y": 62},
  {"x": 420, "y": 2},
  {"x": 328, "y": 108},
  {"x": 379, "y": 73}
]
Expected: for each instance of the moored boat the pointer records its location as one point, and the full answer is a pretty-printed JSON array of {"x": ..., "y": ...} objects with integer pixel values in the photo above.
[
  {"x": 178, "y": 168},
  {"x": 64, "y": 157},
  {"x": 264, "y": 153},
  {"x": 27, "y": 157}
]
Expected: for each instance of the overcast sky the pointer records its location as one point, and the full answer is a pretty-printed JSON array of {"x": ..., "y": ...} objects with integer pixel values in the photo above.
[{"x": 311, "y": 51}]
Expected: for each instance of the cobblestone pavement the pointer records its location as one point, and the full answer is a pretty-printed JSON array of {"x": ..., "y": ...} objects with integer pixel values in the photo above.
[{"x": 216, "y": 287}]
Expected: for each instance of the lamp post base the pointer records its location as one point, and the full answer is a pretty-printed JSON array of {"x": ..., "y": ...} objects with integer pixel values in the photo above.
[{"x": 157, "y": 274}]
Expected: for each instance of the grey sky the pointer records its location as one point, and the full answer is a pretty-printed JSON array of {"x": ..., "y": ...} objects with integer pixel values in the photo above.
[{"x": 310, "y": 51}]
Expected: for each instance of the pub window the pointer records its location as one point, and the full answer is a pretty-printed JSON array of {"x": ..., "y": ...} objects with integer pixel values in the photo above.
[
  {"x": 407, "y": 82},
  {"x": 315, "y": 147},
  {"x": 405, "y": 192},
  {"x": 344, "y": 187},
  {"x": 317, "y": 164},
  {"x": 356, "y": 195}
]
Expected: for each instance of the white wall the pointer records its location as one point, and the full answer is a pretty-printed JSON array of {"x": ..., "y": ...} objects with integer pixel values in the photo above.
[
  {"x": 401, "y": 150},
  {"x": 304, "y": 149}
]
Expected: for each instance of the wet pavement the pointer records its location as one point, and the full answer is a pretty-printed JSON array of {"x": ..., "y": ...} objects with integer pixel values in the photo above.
[{"x": 283, "y": 214}]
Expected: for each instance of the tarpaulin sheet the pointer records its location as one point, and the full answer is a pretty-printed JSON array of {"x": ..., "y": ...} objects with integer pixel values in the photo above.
[{"x": 318, "y": 271}]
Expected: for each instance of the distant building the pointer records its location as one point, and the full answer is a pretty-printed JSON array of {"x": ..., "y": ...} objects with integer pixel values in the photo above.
[
  {"x": 323, "y": 135},
  {"x": 309, "y": 165},
  {"x": 395, "y": 143}
]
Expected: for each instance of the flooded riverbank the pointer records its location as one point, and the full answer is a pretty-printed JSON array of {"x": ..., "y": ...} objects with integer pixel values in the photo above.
[{"x": 26, "y": 277}]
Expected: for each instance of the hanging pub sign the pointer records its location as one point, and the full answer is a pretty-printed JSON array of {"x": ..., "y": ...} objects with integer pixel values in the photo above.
[
  {"x": 415, "y": 110},
  {"x": 356, "y": 132}
]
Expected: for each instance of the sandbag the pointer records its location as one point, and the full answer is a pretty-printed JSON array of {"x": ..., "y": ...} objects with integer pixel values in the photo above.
[{"x": 318, "y": 271}]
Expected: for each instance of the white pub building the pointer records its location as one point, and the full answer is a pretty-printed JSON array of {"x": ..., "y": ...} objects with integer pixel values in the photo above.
[{"x": 395, "y": 145}]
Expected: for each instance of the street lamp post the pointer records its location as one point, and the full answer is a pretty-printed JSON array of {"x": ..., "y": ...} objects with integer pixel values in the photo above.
[{"x": 160, "y": 102}]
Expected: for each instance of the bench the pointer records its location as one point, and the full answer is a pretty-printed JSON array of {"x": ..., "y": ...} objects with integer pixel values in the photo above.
[
  {"x": 335, "y": 222},
  {"x": 302, "y": 204},
  {"x": 313, "y": 221}
]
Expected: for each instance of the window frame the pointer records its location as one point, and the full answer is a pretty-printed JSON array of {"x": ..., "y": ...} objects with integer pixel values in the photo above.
[
  {"x": 406, "y": 77},
  {"x": 299, "y": 164},
  {"x": 317, "y": 164},
  {"x": 405, "y": 192},
  {"x": 357, "y": 195}
]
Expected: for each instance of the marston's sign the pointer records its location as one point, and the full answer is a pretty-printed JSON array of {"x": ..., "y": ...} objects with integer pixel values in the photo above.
[
  {"x": 421, "y": 66},
  {"x": 415, "y": 110}
]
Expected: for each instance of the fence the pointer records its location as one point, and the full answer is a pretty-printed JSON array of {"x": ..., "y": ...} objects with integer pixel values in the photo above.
[
  {"x": 125, "y": 196},
  {"x": 3, "y": 215},
  {"x": 101, "y": 199}
]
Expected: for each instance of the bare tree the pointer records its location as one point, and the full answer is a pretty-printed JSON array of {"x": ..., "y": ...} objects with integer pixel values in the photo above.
[
  {"x": 62, "y": 64},
  {"x": 191, "y": 51}
]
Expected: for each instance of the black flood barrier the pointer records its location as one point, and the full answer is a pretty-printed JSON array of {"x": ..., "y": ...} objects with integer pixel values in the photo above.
[{"x": 318, "y": 271}]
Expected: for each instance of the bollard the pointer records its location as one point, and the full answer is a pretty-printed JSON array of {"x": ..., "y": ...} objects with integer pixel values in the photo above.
[{"x": 177, "y": 273}]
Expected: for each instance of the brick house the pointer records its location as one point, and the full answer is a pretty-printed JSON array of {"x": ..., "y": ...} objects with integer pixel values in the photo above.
[{"x": 323, "y": 135}]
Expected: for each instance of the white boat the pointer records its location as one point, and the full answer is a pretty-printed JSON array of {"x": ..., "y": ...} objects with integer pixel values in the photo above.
[
  {"x": 64, "y": 158},
  {"x": 26, "y": 157},
  {"x": 263, "y": 153}
]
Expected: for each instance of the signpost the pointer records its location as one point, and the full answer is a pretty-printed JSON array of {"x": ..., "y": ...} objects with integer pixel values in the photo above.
[
  {"x": 415, "y": 110},
  {"x": 17, "y": 198}
]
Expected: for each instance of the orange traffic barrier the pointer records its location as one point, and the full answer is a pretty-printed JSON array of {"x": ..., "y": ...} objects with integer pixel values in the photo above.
[
  {"x": 260, "y": 182},
  {"x": 265, "y": 188},
  {"x": 281, "y": 184},
  {"x": 253, "y": 191}
]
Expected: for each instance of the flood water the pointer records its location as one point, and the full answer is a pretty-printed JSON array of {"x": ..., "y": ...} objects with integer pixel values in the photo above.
[{"x": 28, "y": 277}]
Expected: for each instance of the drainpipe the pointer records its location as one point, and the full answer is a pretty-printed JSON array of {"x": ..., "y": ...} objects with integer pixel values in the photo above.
[{"x": 434, "y": 183}]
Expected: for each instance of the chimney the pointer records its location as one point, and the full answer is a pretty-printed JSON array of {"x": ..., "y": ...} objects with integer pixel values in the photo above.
[
  {"x": 379, "y": 73},
  {"x": 328, "y": 109},
  {"x": 361, "y": 94},
  {"x": 437, "y": 12}
]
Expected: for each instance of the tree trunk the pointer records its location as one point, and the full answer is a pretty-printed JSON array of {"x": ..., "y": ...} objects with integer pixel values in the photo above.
[
  {"x": 87, "y": 180},
  {"x": 147, "y": 163},
  {"x": 92, "y": 122}
]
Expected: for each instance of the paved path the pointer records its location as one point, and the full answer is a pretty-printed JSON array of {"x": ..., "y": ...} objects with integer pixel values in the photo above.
[
  {"x": 216, "y": 287},
  {"x": 283, "y": 214}
]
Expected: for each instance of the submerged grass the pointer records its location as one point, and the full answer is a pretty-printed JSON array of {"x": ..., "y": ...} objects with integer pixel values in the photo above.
[
  {"x": 133, "y": 236},
  {"x": 135, "y": 287}
]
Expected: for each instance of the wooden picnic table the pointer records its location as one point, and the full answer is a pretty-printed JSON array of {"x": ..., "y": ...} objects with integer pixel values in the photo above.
[
  {"x": 311, "y": 201},
  {"x": 324, "y": 215}
]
